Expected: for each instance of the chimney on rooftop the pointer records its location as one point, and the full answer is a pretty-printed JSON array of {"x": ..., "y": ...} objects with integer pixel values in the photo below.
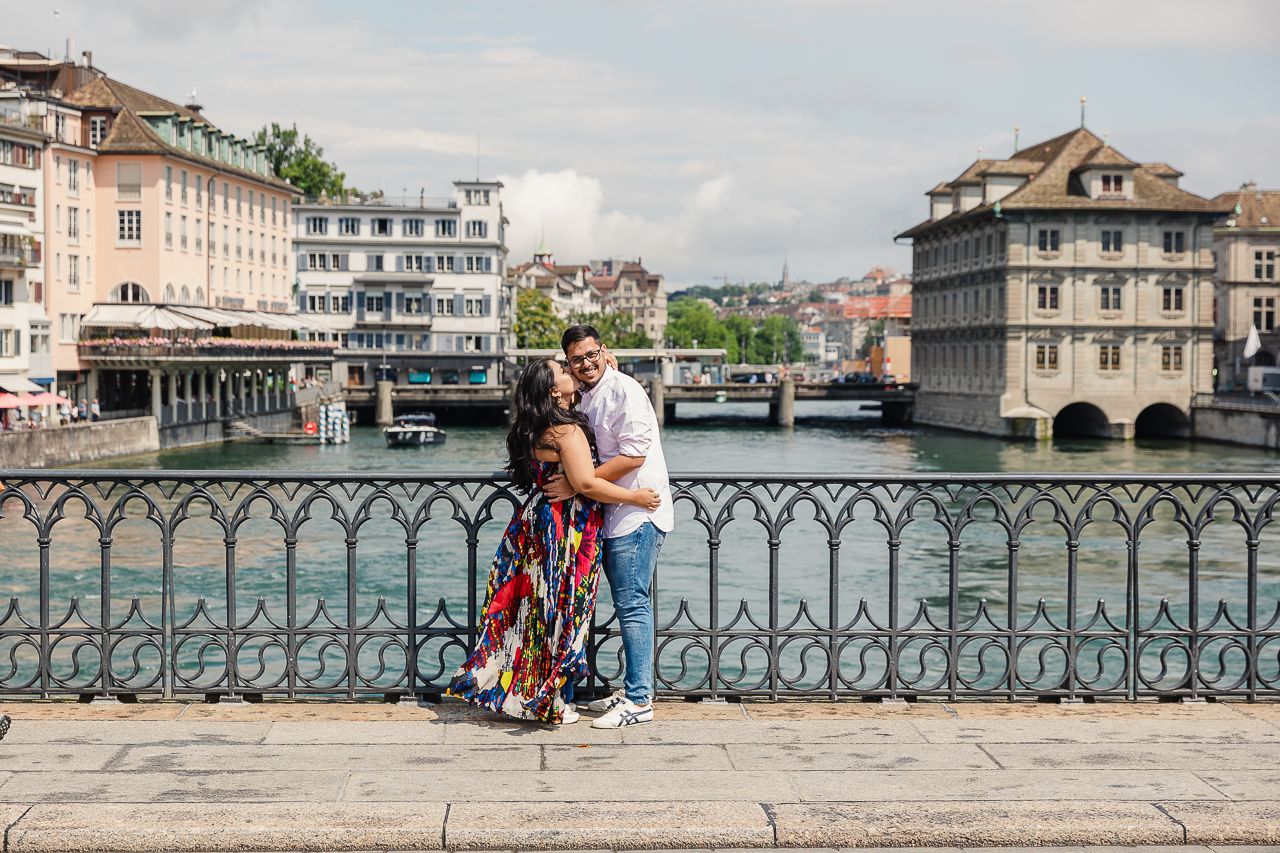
[{"x": 87, "y": 59}]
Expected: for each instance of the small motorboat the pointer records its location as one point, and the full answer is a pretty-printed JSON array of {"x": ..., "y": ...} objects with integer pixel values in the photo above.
[{"x": 411, "y": 430}]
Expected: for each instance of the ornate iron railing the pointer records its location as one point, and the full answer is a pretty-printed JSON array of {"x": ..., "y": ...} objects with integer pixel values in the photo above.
[{"x": 242, "y": 583}]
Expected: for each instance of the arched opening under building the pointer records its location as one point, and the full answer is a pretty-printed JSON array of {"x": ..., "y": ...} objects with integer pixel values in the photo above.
[
  {"x": 130, "y": 291},
  {"x": 1081, "y": 420},
  {"x": 1162, "y": 420},
  {"x": 1262, "y": 358}
]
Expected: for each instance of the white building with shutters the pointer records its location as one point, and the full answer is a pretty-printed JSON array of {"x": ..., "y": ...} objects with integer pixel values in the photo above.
[{"x": 413, "y": 288}]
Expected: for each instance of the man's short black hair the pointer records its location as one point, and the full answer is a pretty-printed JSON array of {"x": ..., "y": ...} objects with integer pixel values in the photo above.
[{"x": 574, "y": 334}]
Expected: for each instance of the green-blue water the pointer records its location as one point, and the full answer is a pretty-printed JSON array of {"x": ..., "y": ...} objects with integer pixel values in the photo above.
[{"x": 829, "y": 438}]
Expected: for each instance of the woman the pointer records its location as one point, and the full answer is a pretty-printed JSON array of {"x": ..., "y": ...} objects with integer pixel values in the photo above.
[{"x": 542, "y": 589}]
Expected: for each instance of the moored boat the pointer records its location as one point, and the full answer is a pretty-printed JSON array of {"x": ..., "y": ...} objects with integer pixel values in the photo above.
[{"x": 414, "y": 429}]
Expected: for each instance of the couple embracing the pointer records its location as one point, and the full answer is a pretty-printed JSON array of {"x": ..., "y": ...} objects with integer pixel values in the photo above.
[{"x": 598, "y": 500}]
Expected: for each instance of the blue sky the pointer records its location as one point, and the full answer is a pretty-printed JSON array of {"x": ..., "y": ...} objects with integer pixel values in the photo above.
[{"x": 707, "y": 138}]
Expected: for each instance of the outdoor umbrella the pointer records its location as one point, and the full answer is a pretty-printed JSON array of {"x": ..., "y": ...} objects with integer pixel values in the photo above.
[
  {"x": 44, "y": 398},
  {"x": 9, "y": 401}
]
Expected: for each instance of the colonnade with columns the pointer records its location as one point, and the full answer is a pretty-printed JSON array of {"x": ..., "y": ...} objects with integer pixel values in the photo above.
[{"x": 186, "y": 394}]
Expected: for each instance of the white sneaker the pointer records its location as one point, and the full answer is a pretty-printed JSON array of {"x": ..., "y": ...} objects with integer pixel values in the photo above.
[
  {"x": 625, "y": 713},
  {"x": 570, "y": 716},
  {"x": 608, "y": 703}
]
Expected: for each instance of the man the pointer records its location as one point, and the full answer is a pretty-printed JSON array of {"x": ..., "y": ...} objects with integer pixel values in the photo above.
[
  {"x": 95, "y": 410},
  {"x": 630, "y": 450}
]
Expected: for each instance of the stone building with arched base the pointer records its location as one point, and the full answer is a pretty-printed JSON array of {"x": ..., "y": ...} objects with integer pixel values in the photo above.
[{"x": 1066, "y": 290}]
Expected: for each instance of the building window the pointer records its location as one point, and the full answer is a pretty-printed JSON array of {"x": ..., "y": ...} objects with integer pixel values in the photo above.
[
  {"x": 412, "y": 227},
  {"x": 182, "y": 235},
  {"x": 130, "y": 292},
  {"x": 473, "y": 307},
  {"x": 226, "y": 200},
  {"x": 477, "y": 196},
  {"x": 1264, "y": 313},
  {"x": 199, "y": 232},
  {"x": 1171, "y": 359},
  {"x": 1112, "y": 241},
  {"x": 417, "y": 263},
  {"x": 168, "y": 230},
  {"x": 226, "y": 241},
  {"x": 73, "y": 177},
  {"x": 374, "y": 264},
  {"x": 1047, "y": 298},
  {"x": 444, "y": 263},
  {"x": 317, "y": 261},
  {"x": 1113, "y": 183},
  {"x": 182, "y": 194},
  {"x": 1108, "y": 358},
  {"x": 73, "y": 225},
  {"x": 1050, "y": 240},
  {"x": 1172, "y": 299},
  {"x": 1047, "y": 357},
  {"x": 446, "y": 228},
  {"x": 168, "y": 183},
  {"x": 129, "y": 227},
  {"x": 349, "y": 226},
  {"x": 250, "y": 204},
  {"x": 239, "y": 200},
  {"x": 199, "y": 193},
  {"x": 1109, "y": 299},
  {"x": 479, "y": 263},
  {"x": 73, "y": 273},
  {"x": 97, "y": 131},
  {"x": 273, "y": 211},
  {"x": 477, "y": 228},
  {"x": 341, "y": 304},
  {"x": 380, "y": 227},
  {"x": 374, "y": 303},
  {"x": 1003, "y": 241},
  {"x": 239, "y": 247},
  {"x": 412, "y": 304},
  {"x": 1264, "y": 271},
  {"x": 317, "y": 225},
  {"x": 1174, "y": 242},
  {"x": 128, "y": 180}
]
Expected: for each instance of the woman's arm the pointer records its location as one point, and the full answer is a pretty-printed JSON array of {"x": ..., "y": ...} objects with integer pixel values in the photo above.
[{"x": 575, "y": 459}]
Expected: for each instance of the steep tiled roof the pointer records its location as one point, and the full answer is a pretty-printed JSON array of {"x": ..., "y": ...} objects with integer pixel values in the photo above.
[
  {"x": 1162, "y": 170},
  {"x": 130, "y": 134},
  {"x": 1013, "y": 167},
  {"x": 973, "y": 174},
  {"x": 1054, "y": 186},
  {"x": 1105, "y": 155},
  {"x": 943, "y": 187},
  {"x": 1254, "y": 205}
]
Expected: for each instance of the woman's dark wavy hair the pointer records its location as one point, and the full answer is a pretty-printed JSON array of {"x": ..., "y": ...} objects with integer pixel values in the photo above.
[{"x": 533, "y": 412}]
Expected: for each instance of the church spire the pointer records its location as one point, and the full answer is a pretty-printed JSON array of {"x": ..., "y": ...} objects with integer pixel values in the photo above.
[
  {"x": 542, "y": 255},
  {"x": 786, "y": 274}
]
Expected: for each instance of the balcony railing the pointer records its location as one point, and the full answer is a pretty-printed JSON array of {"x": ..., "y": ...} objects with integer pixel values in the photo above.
[
  {"x": 425, "y": 202},
  {"x": 847, "y": 587},
  {"x": 162, "y": 349}
]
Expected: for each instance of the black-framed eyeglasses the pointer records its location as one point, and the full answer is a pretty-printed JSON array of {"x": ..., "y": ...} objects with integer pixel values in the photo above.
[{"x": 578, "y": 360}]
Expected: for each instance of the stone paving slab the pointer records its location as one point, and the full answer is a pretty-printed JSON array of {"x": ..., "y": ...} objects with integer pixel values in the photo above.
[
  {"x": 361, "y": 731},
  {"x": 587, "y": 825},
  {"x": 514, "y": 732},
  {"x": 568, "y": 787},
  {"x": 972, "y": 824},
  {"x": 61, "y": 709},
  {"x": 1228, "y": 823},
  {"x": 371, "y": 756},
  {"x": 1176, "y": 756},
  {"x": 876, "y": 786},
  {"x": 235, "y": 826},
  {"x": 776, "y": 731},
  {"x": 134, "y": 731},
  {"x": 871, "y": 756},
  {"x": 1239, "y": 730},
  {"x": 274, "y": 786},
  {"x": 1245, "y": 784},
  {"x": 61, "y": 756},
  {"x": 633, "y": 759},
  {"x": 824, "y": 710},
  {"x": 979, "y": 709}
]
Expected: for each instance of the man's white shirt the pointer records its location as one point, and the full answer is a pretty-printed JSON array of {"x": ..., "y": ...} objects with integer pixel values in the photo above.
[{"x": 624, "y": 422}]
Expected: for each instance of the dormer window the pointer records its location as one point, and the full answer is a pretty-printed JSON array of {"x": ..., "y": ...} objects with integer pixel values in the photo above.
[{"x": 1113, "y": 183}]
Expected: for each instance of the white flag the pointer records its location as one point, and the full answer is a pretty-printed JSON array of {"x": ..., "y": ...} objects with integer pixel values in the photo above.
[{"x": 1252, "y": 345}]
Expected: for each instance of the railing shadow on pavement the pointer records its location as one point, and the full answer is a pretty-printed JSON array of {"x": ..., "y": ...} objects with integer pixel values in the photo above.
[{"x": 1070, "y": 587}]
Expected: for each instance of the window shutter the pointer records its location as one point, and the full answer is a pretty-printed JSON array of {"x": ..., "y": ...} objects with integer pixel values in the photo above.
[
  {"x": 359, "y": 305},
  {"x": 458, "y": 345},
  {"x": 400, "y": 302},
  {"x": 431, "y": 303},
  {"x": 484, "y": 341},
  {"x": 429, "y": 264},
  {"x": 386, "y": 305},
  {"x": 343, "y": 262},
  {"x": 399, "y": 263},
  {"x": 302, "y": 302},
  {"x": 302, "y": 259},
  {"x": 368, "y": 261},
  {"x": 487, "y": 308},
  {"x": 459, "y": 263},
  {"x": 458, "y": 308},
  {"x": 502, "y": 305},
  {"x": 488, "y": 264},
  {"x": 324, "y": 300}
]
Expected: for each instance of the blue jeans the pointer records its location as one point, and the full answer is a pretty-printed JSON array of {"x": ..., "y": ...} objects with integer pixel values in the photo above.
[{"x": 629, "y": 562}]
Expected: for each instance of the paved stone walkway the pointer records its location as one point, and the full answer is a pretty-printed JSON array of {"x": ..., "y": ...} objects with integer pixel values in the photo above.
[{"x": 168, "y": 776}]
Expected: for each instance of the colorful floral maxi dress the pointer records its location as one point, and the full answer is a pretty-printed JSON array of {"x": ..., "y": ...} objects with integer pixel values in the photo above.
[{"x": 537, "y": 611}]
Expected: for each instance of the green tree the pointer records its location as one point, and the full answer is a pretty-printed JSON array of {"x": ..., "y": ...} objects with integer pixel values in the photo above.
[
  {"x": 537, "y": 324},
  {"x": 616, "y": 329},
  {"x": 740, "y": 333},
  {"x": 777, "y": 340},
  {"x": 302, "y": 164}
]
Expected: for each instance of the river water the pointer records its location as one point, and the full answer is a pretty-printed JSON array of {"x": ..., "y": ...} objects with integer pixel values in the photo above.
[{"x": 829, "y": 438}]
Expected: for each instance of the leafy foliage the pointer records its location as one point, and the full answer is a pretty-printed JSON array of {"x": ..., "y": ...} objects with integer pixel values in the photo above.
[
  {"x": 302, "y": 164},
  {"x": 689, "y": 320},
  {"x": 616, "y": 329},
  {"x": 777, "y": 339},
  {"x": 537, "y": 324}
]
